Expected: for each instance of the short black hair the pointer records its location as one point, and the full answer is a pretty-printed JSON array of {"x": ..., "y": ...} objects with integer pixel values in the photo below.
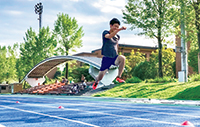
[{"x": 114, "y": 20}]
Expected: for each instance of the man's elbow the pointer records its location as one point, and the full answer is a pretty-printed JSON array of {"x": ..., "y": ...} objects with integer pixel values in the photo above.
[{"x": 108, "y": 36}]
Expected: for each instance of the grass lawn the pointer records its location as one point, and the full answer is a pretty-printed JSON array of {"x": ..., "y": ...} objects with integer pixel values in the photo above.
[{"x": 173, "y": 90}]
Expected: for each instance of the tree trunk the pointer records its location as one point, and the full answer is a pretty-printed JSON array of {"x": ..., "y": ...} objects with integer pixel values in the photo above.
[
  {"x": 160, "y": 72},
  {"x": 66, "y": 71},
  {"x": 198, "y": 63},
  {"x": 66, "y": 66}
]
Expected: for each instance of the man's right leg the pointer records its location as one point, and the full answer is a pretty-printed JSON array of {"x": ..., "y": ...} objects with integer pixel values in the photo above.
[
  {"x": 101, "y": 74},
  {"x": 99, "y": 77}
]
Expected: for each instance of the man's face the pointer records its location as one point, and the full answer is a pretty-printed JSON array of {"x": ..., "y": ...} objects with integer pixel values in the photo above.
[{"x": 114, "y": 26}]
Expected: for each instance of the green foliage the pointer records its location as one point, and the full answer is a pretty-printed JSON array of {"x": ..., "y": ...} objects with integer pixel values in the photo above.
[
  {"x": 149, "y": 69},
  {"x": 131, "y": 61},
  {"x": 36, "y": 48},
  {"x": 189, "y": 19},
  {"x": 194, "y": 77},
  {"x": 193, "y": 56},
  {"x": 11, "y": 63},
  {"x": 20, "y": 69},
  {"x": 168, "y": 59},
  {"x": 57, "y": 74},
  {"x": 133, "y": 80},
  {"x": 68, "y": 35},
  {"x": 25, "y": 85},
  {"x": 76, "y": 73},
  {"x": 161, "y": 80},
  {"x": 156, "y": 18},
  {"x": 8, "y": 60},
  {"x": 151, "y": 15},
  {"x": 51, "y": 81},
  {"x": 145, "y": 71},
  {"x": 3, "y": 59}
]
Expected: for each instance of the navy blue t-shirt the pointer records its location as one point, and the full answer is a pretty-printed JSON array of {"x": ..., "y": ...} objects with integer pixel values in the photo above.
[{"x": 109, "y": 48}]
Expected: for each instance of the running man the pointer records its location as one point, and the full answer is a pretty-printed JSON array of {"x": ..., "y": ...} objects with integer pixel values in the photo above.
[{"x": 110, "y": 52}]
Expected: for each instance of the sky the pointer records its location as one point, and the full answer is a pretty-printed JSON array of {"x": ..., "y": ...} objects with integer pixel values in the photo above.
[{"x": 93, "y": 15}]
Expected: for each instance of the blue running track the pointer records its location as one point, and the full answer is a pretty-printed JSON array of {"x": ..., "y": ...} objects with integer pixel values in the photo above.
[{"x": 43, "y": 111}]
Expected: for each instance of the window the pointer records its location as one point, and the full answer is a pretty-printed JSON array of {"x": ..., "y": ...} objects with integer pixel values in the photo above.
[{"x": 3, "y": 87}]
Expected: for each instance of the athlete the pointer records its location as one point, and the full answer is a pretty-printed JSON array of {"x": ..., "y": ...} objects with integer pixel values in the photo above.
[{"x": 110, "y": 52}]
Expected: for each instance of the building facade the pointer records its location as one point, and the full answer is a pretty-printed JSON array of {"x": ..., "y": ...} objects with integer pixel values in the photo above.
[
  {"x": 124, "y": 49},
  {"x": 10, "y": 88}
]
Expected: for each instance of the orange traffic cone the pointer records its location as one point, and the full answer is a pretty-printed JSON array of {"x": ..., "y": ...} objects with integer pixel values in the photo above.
[
  {"x": 17, "y": 102},
  {"x": 60, "y": 107},
  {"x": 187, "y": 123}
]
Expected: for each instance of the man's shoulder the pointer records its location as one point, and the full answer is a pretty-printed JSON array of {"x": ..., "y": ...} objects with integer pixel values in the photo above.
[{"x": 106, "y": 32}]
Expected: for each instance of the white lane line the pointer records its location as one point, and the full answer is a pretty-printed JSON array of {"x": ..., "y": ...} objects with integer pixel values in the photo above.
[
  {"x": 75, "y": 121},
  {"x": 117, "y": 104},
  {"x": 125, "y": 109},
  {"x": 120, "y": 108},
  {"x": 102, "y": 113},
  {"x": 155, "y": 112}
]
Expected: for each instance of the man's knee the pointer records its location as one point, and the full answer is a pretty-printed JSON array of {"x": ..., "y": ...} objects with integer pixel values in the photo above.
[{"x": 122, "y": 58}]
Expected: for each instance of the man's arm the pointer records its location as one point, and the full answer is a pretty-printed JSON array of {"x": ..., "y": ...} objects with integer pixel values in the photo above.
[{"x": 114, "y": 32}]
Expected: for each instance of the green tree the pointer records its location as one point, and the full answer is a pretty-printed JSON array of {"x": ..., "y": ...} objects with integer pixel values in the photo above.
[
  {"x": 168, "y": 59},
  {"x": 76, "y": 73},
  {"x": 11, "y": 71},
  {"x": 3, "y": 52},
  {"x": 149, "y": 69},
  {"x": 144, "y": 70},
  {"x": 36, "y": 48},
  {"x": 68, "y": 35},
  {"x": 196, "y": 7},
  {"x": 57, "y": 74},
  {"x": 132, "y": 60},
  {"x": 191, "y": 17},
  {"x": 154, "y": 17},
  {"x": 20, "y": 70},
  {"x": 193, "y": 56}
]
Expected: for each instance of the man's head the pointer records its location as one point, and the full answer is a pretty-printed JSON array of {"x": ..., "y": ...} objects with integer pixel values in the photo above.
[
  {"x": 114, "y": 20},
  {"x": 114, "y": 24}
]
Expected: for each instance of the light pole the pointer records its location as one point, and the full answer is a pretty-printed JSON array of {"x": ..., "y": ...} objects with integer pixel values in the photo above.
[
  {"x": 184, "y": 65},
  {"x": 39, "y": 10}
]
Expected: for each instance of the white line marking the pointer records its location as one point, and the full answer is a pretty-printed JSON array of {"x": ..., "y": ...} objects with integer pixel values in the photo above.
[
  {"x": 94, "y": 112},
  {"x": 103, "y": 113},
  {"x": 177, "y": 114},
  {"x": 49, "y": 115},
  {"x": 89, "y": 104}
]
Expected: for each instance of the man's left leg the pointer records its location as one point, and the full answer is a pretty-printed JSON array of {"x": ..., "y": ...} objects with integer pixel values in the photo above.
[{"x": 120, "y": 61}]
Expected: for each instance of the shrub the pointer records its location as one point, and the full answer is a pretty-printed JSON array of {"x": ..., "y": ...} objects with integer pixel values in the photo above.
[
  {"x": 133, "y": 80},
  {"x": 76, "y": 73},
  {"x": 193, "y": 56},
  {"x": 145, "y": 70},
  {"x": 194, "y": 77},
  {"x": 161, "y": 80}
]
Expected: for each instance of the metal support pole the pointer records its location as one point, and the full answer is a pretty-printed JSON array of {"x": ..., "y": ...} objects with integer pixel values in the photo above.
[
  {"x": 184, "y": 65},
  {"x": 39, "y": 10},
  {"x": 40, "y": 20}
]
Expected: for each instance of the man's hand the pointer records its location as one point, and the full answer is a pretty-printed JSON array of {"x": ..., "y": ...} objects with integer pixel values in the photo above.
[
  {"x": 115, "y": 32},
  {"x": 123, "y": 28}
]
